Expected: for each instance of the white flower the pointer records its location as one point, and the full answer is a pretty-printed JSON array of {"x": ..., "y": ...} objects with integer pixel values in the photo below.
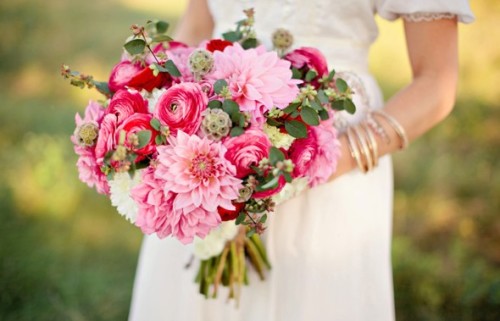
[
  {"x": 153, "y": 97},
  {"x": 291, "y": 190},
  {"x": 277, "y": 138},
  {"x": 120, "y": 187},
  {"x": 213, "y": 244}
]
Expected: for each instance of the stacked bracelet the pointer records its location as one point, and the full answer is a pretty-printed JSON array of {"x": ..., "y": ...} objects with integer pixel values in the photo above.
[{"x": 362, "y": 143}]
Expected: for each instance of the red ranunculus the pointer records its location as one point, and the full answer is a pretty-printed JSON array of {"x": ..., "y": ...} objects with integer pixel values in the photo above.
[
  {"x": 217, "y": 45},
  {"x": 121, "y": 74},
  {"x": 227, "y": 215},
  {"x": 125, "y": 103},
  {"x": 180, "y": 108},
  {"x": 145, "y": 79},
  {"x": 134, "y": 124}
]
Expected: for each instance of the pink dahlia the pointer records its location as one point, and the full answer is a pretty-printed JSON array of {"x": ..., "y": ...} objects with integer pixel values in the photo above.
[
  {"x": 89, "y": 172},
  {"x": 195, "y": 169},
  {"x": 316, "y": 156},
  {"x": 155, "y": 210},
  {"x": 258, "y": 79}
]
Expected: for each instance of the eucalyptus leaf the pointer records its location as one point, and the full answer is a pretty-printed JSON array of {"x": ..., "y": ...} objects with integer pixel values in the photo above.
[
  {"x": 155, "y": 123},
  {"x": 236, "y": 117},
  {"x": 273, "y": 183},
  {"x": 349, "y": 106},
  {"x": 291, "y": 108},
  {"x": 341, "y": 85},
  {"x": 316, "y": 105},
  {"x": 161, "y": 26},
  {"x": 323, "y": 98},
  {"x": 161, "y": 38},
  {"x": 144, "y": 137},
  {"x": 230, "y": 107},
  {"x": 215, "y": 104},
  {"x": 232, "y": 36},
  {"x": 288, "y": 177},
  {"x": 159, "y": 140},
  {"x": 296, "y": 74},
  {"x": 337, "y": 104},
  {"x": 241, "y": 120},
  {"x": 323, "y": 114},
  {"x": 236, "y": 131},
  {"x": 135, "y": 46},
  {"x": 172, "y": 69},
  {"x": 240, "y": 218},
  {"x": 102, "y": 87},
  {"x": 331, "y": 75},
  {"x": 296, "y": 129},
  {"x": 250, "y": 232},
  {"x": 275, "y": 155},
  {"x": 311, "y": 74},
  {"x": 273, "y": 122},
  {"x": 249, "y": 43},
  {"x": 257, "y": 170},
  {"x": 309, "y": 116},
  {"x": 263, "y": 218},
  {"x": 219, "y": 85}
]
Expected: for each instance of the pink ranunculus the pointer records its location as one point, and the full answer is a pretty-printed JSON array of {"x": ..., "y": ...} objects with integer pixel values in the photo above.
[
  {"x": 196, "y": 171},
  {"x": 316, "y": 156},
  {"x": 308, "y": 57},
  {"x": 180, "y": 107},
  {"x": 127, "y": 102},
  {"x": 133, "y": 125},
  {"x": 106, "y": 138},
  {"x": 258, "y": 79},
  {"x": 121, "y": 74},
  {"x": 247, "y": 150},
  {"x": 88, "y": 170}
]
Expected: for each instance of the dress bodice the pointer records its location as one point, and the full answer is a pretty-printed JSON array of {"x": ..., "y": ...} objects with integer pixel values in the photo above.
[{"x": 342, "y": 30}]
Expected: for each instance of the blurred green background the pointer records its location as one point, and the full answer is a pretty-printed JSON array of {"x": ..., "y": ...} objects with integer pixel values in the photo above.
[{"x": 66, "y": 255}]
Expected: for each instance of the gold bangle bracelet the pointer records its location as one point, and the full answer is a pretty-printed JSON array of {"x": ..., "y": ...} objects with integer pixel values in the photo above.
[
  {"x": 353, "y": 148},
  {"x": 372, "y": 142},
  {"x": 396, "y": 126},
  {"x": 365, "y": 151}
]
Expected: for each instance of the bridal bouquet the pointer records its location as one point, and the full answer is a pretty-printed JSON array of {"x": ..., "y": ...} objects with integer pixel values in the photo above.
[{"x": 201, "y": 143}]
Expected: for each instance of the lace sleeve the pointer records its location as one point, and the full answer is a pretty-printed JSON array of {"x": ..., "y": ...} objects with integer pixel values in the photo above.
[
  {"x": 424, "y": 10},
  {"x": 427, "y": 16}
]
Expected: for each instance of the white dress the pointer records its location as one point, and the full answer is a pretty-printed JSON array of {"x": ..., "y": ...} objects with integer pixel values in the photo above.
[{"x": 330, "y": 246}]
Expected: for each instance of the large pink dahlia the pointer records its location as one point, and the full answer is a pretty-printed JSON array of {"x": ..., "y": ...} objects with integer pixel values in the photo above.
[
  {"x": 258, "y": 79},
  {"x": 196, "y": 170}
]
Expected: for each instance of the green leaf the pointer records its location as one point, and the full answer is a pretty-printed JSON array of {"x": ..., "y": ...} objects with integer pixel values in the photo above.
[
  {"x": 316, "y": 104},
  {"x": 144, "y": 137},
  {"x": 230, "y": 107},
  {"x": 257, "y": 170},
  {"x": 102, "y": 87},
  {"x": 341, "y": 85},
  {"x": 236, "y": 117},
  {"x": 331, "y": 75},
  {"x": 296, "y": 129},
  {"x": 236, "y": 131},
  {"x": 232, "y": 36},
  {"x": 311, "y": 74},
  {"x": 296, "y": 74},
  {"x": 155, "y": 123},
  {"x": 161, "y": 38},
  {"x": 349, "y": 106},
  {"x": 219, "y": 85},
  {"x": 309, "y": 116},
  {"x": 250, "y": 232},
  {"x": 249, "y": 43},
  {"x": 135, "y": 46},
  {"x": 288, "y": 177},
  {"x": 240, "y": 218},
  {"x": 275, "y": 155},
  {"x": 215, "y": 104},
  {"x": 273, "y": 122},
  {"x": 242, "y": 120},
  {"x": 172, "y": 69},
  {"x": 337, "y": 104},
  {"x": 323, "y": 98},
  {"x": 291, "y": 108},
  {"x": 161, "y": 26},
  {"x": 263, "y": 218},
  {"x": 159, "y": 140},
  {"x": 323, "y": 114},
  {"x": 273, "y": 183}
]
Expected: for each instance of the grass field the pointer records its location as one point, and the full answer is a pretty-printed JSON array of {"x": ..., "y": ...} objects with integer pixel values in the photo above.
[{"x": 66, "y": 255}]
